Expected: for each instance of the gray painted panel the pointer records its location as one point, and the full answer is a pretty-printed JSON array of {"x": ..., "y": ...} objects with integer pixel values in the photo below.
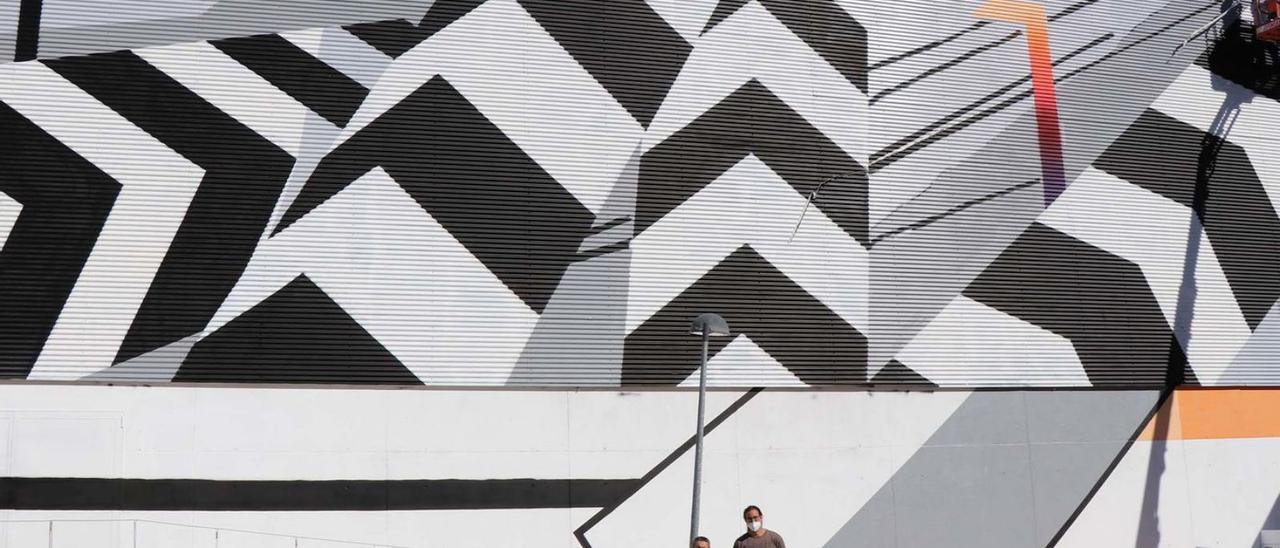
[{"x": 1006, "y": 469}]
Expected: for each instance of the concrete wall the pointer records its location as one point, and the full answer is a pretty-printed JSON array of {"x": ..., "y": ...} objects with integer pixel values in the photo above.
[{"x": 478, "y": 468}]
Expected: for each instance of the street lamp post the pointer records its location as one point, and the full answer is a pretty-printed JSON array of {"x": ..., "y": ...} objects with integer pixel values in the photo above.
[{"x": 707, "y": 325}]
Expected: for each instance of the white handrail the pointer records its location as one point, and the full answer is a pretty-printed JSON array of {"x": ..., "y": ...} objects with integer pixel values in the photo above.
[{"x": 135, "y": 523}]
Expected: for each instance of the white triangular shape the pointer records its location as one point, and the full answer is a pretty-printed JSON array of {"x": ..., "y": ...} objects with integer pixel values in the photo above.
[
  {"x": 9, "y": 210},
  {"x": 742, "y": 363}
]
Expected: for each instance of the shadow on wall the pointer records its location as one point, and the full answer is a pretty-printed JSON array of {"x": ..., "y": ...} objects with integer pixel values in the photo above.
[
  {"x": 1237, "y": 56},
  {"x": 1272, "y": 523},
  {"x": 1235, "y": 44}
]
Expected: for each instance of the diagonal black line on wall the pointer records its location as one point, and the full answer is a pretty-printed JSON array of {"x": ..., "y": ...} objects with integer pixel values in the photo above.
[
  {"x": 708, "y": 428},
  {"x": 244, "y": 175},
  {"x": 944, "y": 127},
  {"x": 970, "y": 29},
  {"x": 922, "y": 138},
  {"x": 752, "y": 120},
  {"x": 65, "y": 202},
  {"x": 320, "y": 87},
  {"x": 1106, "y": 473},
  {"x": 626, "y": 46},
  {"x": 99, "y": 494}
]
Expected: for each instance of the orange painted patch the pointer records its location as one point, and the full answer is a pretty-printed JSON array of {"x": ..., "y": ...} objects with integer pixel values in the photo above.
[{"x": 1216, "y": 414}]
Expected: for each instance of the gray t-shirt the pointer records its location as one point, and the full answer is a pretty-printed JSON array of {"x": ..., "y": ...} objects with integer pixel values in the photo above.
[{"x": 769, "y": 539}]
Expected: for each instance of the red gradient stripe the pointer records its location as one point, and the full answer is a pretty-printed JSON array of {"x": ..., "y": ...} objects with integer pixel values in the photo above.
[{"x": 1032, "y": 16}]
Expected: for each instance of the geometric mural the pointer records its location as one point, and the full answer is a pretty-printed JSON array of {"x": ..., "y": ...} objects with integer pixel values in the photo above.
[
  {"x": 950, "y": 323},
  {"x": 853, "y": 199}
]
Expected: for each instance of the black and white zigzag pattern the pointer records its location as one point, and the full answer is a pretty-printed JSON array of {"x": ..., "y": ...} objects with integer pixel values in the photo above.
[{"x": 520, "y": 191}]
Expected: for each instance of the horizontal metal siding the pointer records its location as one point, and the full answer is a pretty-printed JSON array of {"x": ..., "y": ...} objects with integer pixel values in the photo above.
[{"x": 546, "y": 193}]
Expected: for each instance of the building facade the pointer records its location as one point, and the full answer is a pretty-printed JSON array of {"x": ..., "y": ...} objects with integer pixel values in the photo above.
[{"x": 418, "y": 273}]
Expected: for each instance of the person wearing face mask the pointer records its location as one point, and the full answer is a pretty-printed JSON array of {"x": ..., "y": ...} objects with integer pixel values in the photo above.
[{"x": 757, "y": 536}]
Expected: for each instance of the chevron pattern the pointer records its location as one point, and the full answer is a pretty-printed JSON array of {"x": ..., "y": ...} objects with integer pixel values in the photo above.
[{"x": 524, "y": 192}]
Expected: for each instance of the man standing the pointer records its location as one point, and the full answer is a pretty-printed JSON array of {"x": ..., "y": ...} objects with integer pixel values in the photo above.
[
  {"x": 757, "y": 536},
  {"x": 701, "y": 542}
]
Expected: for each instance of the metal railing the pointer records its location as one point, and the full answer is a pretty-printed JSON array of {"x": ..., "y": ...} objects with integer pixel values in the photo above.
[{"x": 223, "y": 537}]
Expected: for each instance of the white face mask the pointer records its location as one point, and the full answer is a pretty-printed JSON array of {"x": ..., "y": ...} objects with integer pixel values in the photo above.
[{"x": 753, "y": 526}]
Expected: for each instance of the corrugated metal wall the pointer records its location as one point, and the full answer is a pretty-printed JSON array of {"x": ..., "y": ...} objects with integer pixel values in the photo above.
[{"x": 519, "y": 192}]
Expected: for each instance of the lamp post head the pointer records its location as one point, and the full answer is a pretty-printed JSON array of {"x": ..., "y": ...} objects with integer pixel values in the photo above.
[{"x": 710, "y": 324}]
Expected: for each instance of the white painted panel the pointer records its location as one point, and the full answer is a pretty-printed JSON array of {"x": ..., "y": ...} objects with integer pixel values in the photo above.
[
  {"x": 1114, "y": 515},
  {"x": 9, "y": 211},
  {"x": 65, "y": 444},
  {"x": 970, "y": 343}
]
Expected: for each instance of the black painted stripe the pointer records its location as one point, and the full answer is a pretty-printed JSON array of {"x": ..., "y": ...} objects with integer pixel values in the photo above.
[
  {"x": 27, "y": 42},
  {"x": 944, "y": 66},
  {"x": 322, "y": 88},
  {"x": 615, "y": 222},
  {"x": 921, "y": 138},
  {"x": 627, "y": 47},
  {"x": 931, "y": 45},
  {"x": 954, "y": 210},
  {"x": 894, "y": 152},
  {"x": 244, "y": 175},
  {"x": 306, "y": 496},
  {"x": 581, "y": 531},
  {"x": 65, "y": 201}
]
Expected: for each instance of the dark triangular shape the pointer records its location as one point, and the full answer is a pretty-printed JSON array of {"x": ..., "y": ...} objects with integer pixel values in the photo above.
[
  {"x": 752, "y": 120},
  {"x": 480, "y": 186},
  {"x": 758, "y": 301},
  {"x": 897, "y": 374},
  {"x": 723, "y": 10},
  {"x": 396, "y": 36},
  {"x": 392, "y": 38},
  {"x": 297, "y": 335}
]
